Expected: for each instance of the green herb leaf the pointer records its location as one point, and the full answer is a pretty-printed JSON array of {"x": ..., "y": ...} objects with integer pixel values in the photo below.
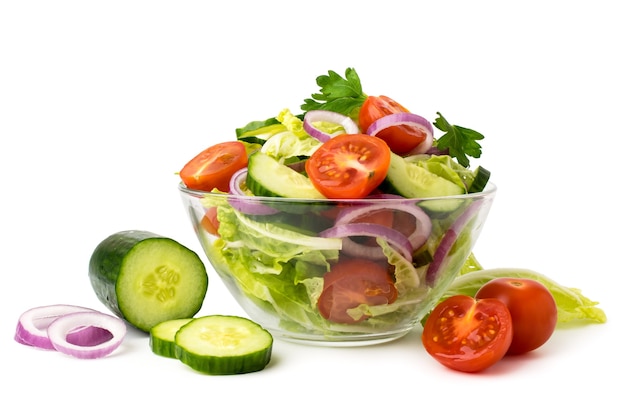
[
  {"x": 338, "y": 94},
  {"x": 459, "y": 141}
]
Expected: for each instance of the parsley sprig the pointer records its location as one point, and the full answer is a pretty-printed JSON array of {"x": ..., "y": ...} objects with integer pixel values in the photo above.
[
  {"x": 345, "y": 95},
  {"x": 338, "y": 94},
  {"x": 460, "y": 142}
]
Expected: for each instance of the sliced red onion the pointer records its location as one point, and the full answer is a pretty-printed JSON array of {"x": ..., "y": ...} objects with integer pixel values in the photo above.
[
  {"x": 410, "y": 119},
  {"x": 60, "y": 329},
  {"x": 236, "y": 180},
  {"x": 33, "y": 324},
  {"x": 448, "y": 239},
  {"x": 314, "y": 116},
  {"x": 423, "y": 225},
  {"x": 349, "y": 230},
  {"x": 89, "y": 336},
  {"x": 246, "y": 204}
]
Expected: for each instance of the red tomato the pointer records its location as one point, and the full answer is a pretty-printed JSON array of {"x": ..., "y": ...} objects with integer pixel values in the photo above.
[
  {"x": 209, "y": 221},
  {"x": 352, "y": 282},
  {"x": 532, "y": 309},
  {"x": 213, "y": 167},
  {"x": 466, "y": 334},
  {"x": 349, "y": 165},
  {"x": 401, "y": 139}
]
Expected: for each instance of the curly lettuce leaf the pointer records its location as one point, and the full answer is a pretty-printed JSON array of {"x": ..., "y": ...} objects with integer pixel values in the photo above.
[{"x": 572, "y": 305}]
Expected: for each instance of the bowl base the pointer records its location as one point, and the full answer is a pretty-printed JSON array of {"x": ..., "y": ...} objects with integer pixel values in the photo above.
[{"x": 339, "y": 341}]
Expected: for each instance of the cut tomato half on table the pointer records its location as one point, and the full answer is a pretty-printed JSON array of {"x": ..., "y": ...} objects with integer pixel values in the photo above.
[
  {"x": 213, "y": 167},
  {"x": 349, "y": 165},
  {"x": 352, "y": 282},
  {"x": 466, "y": 334}
]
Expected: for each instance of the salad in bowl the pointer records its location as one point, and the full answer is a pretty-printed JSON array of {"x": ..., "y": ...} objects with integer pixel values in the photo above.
[{"x": 344, "y": 224}]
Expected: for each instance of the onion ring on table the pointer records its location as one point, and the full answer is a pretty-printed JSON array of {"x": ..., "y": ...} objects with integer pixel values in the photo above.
[
  {"x": 99, "y": 347},
  {"x": 32, "y": 326}
]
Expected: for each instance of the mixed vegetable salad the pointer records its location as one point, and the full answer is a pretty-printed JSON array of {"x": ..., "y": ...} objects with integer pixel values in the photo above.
[{"x": 373, "y": 210}]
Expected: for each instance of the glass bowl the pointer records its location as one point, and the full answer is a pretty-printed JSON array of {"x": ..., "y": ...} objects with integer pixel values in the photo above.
[{"x": 337, "y": 272}]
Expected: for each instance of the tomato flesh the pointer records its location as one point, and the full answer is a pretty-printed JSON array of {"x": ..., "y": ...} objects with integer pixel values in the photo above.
[
  {"x": 401, "y": 139},
  {"x": 352, "y": 282},
  {"x": 349, "y": 165},
  {"x": 466, "y": 334},
  {"x": 532, "y": 307},
  {"x": 209, "y": 221},
  {"x": 213, "y": 167}
]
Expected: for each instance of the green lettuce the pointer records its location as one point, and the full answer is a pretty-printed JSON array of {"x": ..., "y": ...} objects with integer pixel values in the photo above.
[{"x": 572, "y": 305}]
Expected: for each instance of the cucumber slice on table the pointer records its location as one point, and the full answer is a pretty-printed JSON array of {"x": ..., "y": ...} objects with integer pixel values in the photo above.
[
  {"x": 223, "y": 345},
  {"x": 163, "y": 337},
  {"x": 147, "y": 279}
]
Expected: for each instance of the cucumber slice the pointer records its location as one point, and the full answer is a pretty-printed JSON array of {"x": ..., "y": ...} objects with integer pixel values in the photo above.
[
  {"x": 223, "y": 345},
  {"x": 269, "y": 178},
  {"x": 147, "y": 279},
  {"x": 162, "y": 337},
  {"x": 481, "y": 178},
  {"x": 414, "y": 181}
]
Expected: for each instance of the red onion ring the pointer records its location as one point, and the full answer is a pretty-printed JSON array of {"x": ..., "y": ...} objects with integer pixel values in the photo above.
[
  {"x": 236, "y": 180},
  {"x": 448, "y": 239},
  {"x": 33, "y": 324},
  {"x": 423, "y": 225},
  {"x": 392, "y": 236},
  {"x": 240, "y": 201},
  {"x": 313, "y": 116},
  {"x": 411, "y": 119},
  {"x": 60, "y": 328}
]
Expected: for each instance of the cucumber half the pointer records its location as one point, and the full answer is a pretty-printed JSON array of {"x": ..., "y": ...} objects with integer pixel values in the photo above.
[
  {"x": 223, "y": 345},
  {"x": 147, "y": 279}
]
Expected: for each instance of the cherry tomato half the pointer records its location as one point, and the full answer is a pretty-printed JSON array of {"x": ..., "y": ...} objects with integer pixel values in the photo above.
[
  {"x": 401, "y": 139},
  {"x": 209, "y": 221},
  {"x": 352, "y": 282},
  {"x": 466, "y": 334},
  {"x": 532, "y": 309},
  {"x": 349, "y": 165},
  {"x": 213, "y": 167}
]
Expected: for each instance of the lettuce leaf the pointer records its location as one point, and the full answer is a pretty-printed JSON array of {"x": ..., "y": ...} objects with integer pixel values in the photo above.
[{"x": 572, "y": 305}]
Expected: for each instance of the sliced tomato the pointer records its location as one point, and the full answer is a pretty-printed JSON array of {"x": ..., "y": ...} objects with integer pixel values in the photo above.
[
  {"x": 352, "y": 282},
  {"x": 532, "y": 308},
  {"x": 349, "y": 165},
  {"x": 401, "y": 139},
  {"x": 466, "y": 334},
  {"x": 209, "y": 221},
  {"x": 213, "y": 167}
]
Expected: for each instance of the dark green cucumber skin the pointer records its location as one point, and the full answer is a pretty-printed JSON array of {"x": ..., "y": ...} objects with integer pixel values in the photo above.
[
  {"x": 106, "y": 263},
  {"x": 163, "y": 347},
  {"x": 245, "y": 364}
]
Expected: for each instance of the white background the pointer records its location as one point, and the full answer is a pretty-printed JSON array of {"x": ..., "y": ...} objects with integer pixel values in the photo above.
[{"x": 102, "y": 102}]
